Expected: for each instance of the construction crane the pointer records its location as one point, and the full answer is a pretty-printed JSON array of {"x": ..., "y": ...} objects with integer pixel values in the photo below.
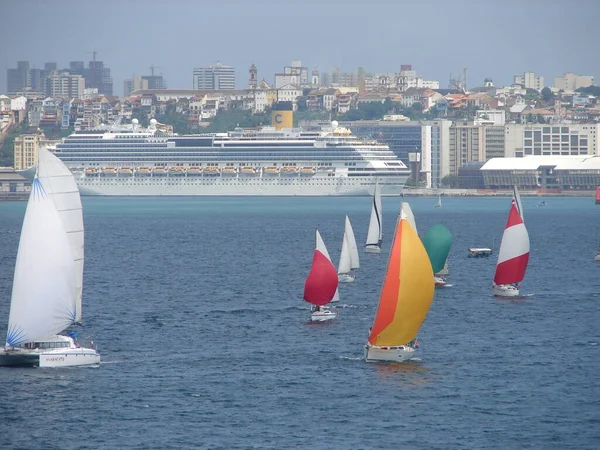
[{"x": 152, "y": 67}]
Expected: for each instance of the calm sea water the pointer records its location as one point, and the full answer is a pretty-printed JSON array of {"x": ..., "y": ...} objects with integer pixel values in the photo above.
[{"x": 196, "y": 307}]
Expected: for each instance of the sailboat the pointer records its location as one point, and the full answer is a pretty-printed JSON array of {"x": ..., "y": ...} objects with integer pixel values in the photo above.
[
  {"x": 405, "y": 297},
  {"x": 513, "y": 255},
  {"x": 375, "y": 232},
  {"x": 349, "y": 256},
  {"x": 321, "y": 284},
  {"x": 437, "y": 242},
  {"x": 439, "y": 202},
  {"x": 47, "y": 283}
]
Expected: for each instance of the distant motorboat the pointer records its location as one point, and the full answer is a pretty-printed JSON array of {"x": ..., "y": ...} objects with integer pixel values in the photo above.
[{"x": 542, "y": 203}]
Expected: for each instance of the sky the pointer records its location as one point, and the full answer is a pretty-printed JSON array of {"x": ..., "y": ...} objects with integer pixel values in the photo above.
[{"x": 496, "y": 39}]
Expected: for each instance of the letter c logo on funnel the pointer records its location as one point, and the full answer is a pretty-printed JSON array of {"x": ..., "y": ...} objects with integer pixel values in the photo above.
[{"x": 278, "y": 118}]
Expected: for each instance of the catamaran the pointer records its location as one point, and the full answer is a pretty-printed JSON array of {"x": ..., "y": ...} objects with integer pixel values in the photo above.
[
  {"x": 375, "y": 232},
  {"x": 321, "y": 284},
  {"x": 405, "y": 299},
  {"x": 513, "y": 255},
  {"x": 437, "y": 242},
  {"x": 349, "y": 256},
  {"x": 47, "y": 283}
]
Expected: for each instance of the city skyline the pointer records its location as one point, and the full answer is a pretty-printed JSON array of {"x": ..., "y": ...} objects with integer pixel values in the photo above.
[{"x": 438, "y": 38}]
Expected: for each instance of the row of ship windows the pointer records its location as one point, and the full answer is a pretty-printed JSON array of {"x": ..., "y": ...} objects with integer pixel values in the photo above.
[
  {"x": 139, "y": 158},
  {"x": 317, "y": 182}
]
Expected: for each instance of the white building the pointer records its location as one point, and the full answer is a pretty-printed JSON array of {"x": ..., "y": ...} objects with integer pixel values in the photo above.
[
  {"x": 65, "y": 85},
  {"x": 5, "y": 103},
  {"x": 543, "y": 173},
  {"x": 570, "y": 82},
  {"x": 551, "y": 140},
  {"x": 289, "y": 93},
  {"x": 18, "y": 103},
  {"x": 530, "y": 81},
  {"x": 490, "y": 117},
  {"x": 214, "y": 77}
]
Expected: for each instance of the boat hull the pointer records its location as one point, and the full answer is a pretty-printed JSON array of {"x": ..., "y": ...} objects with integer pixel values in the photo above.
[
  {"x": 372, "y": 249},
  {"x": 439, "y": 281},
  {"x": 323, "y": 316},
  {"x": 398, "y": 353},
  {"x": 346, "y": 278},
  {"x": 240, "y": 186},
  {"x": 67, "y": 357},
  {"x": 505, "y": 290}
]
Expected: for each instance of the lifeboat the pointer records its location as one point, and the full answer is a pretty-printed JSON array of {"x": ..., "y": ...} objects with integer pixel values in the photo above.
[
  {"x": 176, "y": 171},
  {"x": 194, "y": 171},
  {"x": 211, "y": 171},
  {"x": 229, "y": 171},
  {"x": 91, "y": 172},
  {"x": 109, "y": 172},
  {"x": 159, "y": 171},
  {"x": 142, "y": 171},
  {"x": 125, "y": 172},
  {"x": 289, "y": 171},
  {"x": 307, "y": 171},
  {"x": 271, "y": 171},
  {"x": 248, "y": 171}
]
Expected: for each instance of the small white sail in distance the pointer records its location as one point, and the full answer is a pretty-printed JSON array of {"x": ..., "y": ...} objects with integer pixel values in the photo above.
[
  {"x": 375, "y": 232},
  {"x": 349, "y": 233},
  {"x": 345, "y": 259}
]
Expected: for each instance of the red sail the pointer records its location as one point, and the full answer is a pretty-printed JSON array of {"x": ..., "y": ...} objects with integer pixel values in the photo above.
[
  {"x": 597, "y": 195},
  {"x": 322, "y": 281}
]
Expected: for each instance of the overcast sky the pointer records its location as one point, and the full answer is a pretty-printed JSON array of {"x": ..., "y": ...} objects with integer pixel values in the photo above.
[{"x": 497, "y": 39}]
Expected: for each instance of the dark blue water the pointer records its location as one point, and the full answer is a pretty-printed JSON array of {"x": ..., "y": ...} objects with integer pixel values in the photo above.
[{"x": 196, "y": 307}]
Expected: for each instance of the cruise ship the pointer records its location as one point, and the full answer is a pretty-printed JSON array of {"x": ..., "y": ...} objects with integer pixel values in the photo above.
[{"x": 130, "y": 160}]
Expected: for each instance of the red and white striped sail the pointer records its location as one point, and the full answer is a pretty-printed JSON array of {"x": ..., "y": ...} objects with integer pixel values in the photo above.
[{"x": 514, "y": 250}]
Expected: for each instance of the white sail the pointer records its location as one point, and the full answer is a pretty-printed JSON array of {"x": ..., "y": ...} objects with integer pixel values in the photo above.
[
  {"x": 517, "y": 198},
  {"x": 321, "y": 247},
  {"x": 407, "y": 211},
  {"x": 345, "y": 259},
  {"x": 43, "y": 301},
  {"x": 349, "y": 233},
  {"x": 375, "y": 232},
  {"x": 60, "y": 185}
]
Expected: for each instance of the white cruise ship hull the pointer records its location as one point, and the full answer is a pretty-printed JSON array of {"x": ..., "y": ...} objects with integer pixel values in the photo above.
[{"x": 223, "y": 186}]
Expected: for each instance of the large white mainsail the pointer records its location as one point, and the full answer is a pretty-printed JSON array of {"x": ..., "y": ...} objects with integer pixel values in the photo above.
[
  {"x": 375, "y": 232},
  {"x": 349, "y": 234},
  {"x": 60, "y": 185},
  {"x": 43, "y": 301},
  {"x": 345, "y": 259},
  {"x": 320, "y": 245}
]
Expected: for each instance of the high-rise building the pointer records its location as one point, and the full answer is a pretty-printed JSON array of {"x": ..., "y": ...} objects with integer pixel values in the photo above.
[
  {"x": 572, "y": 82},
  {"x": 214, "y": 77},
  {"x": 16, "y": 79},
  {"x": 64, "y": 85},
  {"x": 155, "y": 81},
  {"x": 134, "y": 84},
  {"x": 529, "y": 81}
]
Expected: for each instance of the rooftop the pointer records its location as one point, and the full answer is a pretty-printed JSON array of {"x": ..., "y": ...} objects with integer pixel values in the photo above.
[{"x": 583, "y": 162}]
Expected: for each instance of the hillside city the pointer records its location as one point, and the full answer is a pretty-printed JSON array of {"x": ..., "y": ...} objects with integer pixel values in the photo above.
[{"x": 467, "y": 124}]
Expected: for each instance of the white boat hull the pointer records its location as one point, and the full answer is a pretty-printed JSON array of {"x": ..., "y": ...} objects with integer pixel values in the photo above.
[
  {"x": 597, "y": 257},
  {"x": 323, "y": 315},
  {"x": 505, "y": 290},
  {"x": 67, "y": 356},
  {"x": 439, "y": 281},
  {"x": 372, "y": 249},
  {"x": 346, "y": 278},
  {"x": 243, "y": 186},
  {"x": 398, "y": 353}
]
